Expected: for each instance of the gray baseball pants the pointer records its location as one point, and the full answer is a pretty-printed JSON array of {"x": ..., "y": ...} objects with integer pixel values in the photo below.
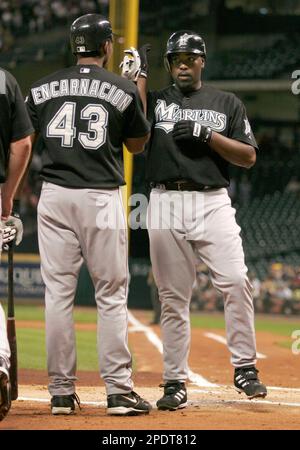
[
  {"x": 4, "y": 344},
  {"x": 182, "y": 225},
  {"x": 72, "y": 229}
]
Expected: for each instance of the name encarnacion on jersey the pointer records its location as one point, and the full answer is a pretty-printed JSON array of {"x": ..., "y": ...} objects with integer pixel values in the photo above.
[
  {"x": 84, "y": 87},
  {"x": 168, "y": 115}
]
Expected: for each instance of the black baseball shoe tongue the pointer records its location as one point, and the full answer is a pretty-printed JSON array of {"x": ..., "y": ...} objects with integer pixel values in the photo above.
[
  {"x": 175, "y": 396},
  {"x": 247, "y": 381}
]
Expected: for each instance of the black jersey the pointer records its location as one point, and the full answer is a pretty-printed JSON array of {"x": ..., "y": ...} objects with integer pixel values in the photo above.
[
  {"x": 167, "y": 161},
  {"x": 84, "y": 113},
  {"x": 14, "y": 121}
]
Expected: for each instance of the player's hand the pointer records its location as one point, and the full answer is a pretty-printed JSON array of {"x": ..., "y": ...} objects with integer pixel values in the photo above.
[
  {"x": 131, "y": 64},
  {"x": 8, "y": 235},
  {"x": 144, "y": 60},
  {"x": 186, "y": 130},
  {"x": 12, "y": 230}
]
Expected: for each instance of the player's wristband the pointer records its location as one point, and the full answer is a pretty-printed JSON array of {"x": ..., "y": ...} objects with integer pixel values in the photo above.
[
  {"x": 143, "y": 74},
  {"x": 202, "y": 133}
]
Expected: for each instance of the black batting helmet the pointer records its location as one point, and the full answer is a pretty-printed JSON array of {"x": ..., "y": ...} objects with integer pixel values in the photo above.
[
  {"x": 88, "y": 32},
  {"x": 184, "y": 41}
]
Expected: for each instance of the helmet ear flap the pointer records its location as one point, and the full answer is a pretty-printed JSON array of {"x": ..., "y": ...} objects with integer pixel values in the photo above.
[{"x": 167, "y": 64}]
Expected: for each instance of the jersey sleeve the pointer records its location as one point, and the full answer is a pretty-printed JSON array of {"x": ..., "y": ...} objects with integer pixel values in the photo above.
[
  {"x": 136, "y": 125},
  {"x": 21, "y": 124},
  {"x": 32, "y": 112},
  {"x": 239, "y": 126}
]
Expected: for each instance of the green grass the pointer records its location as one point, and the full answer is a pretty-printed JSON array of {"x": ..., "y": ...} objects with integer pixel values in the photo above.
[
  {"x": 274, "y": 324},
  {"x": 278, "y": 325},
  {"x": 32, "y": 349},
  {"x": 282, "y": 327},
  {"x": 36, "y": 313},
  {"x": 207, "y": 321}
]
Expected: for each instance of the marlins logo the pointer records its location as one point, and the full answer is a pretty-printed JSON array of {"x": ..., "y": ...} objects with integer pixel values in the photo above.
[
  {"x": 182, "y": 42},
  {"x": 167, "y": 115}
]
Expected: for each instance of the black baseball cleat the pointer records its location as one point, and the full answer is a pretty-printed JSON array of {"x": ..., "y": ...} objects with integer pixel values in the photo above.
[
  {"x": 130, "y": 404},
  {"x": 175, "y": 396},
  {"x": 247, "y": 381},
  {"x": 64, "y": 404},
  {"x": 5, "y": 390}
]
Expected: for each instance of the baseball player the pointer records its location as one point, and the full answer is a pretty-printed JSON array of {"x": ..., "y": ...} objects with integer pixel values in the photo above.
[
  {"x": 15, "y": 148},
  {"x": 197, "y": 131},
  {"x": 84, "y": 114}
]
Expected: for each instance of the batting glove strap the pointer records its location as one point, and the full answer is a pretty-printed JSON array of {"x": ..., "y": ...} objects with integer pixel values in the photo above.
[
  {"x": 189, "y": 130},
  {"x": 144, "y": 60}
]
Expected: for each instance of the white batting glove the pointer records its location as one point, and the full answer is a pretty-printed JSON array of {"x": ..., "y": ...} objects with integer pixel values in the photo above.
[
  {"x": 8, "y": 235},
  {"x": 131, "y": 64},
  {"x": 12, "y": 229}
]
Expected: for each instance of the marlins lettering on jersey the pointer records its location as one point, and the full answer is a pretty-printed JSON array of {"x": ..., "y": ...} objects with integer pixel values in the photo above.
[
  {"x": 82, "y": 87},
  {"x": 167, "y": 115}
]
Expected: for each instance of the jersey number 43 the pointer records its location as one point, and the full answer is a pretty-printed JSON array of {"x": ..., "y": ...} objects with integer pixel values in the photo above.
[{"x": 62, "y": 126}]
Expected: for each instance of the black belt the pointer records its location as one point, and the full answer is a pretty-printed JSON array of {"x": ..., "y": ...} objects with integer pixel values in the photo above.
[{"x": 182, "y": 186}]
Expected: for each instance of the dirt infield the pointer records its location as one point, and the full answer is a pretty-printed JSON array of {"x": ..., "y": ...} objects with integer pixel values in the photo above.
[{"x": 212, "y": 406}]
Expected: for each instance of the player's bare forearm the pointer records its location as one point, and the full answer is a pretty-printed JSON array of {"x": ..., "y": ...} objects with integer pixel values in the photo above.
[
  {"x": 19, "y": 156},
  {"x": 235, "y": 152},
  {"x": 19, "y": 190},
  {"x": 142, "y": 88},
  {"x": 137, "y": 145}
]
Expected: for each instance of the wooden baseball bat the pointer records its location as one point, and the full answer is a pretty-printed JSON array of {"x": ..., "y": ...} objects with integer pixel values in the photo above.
[{"x": 11, "y": 326}]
